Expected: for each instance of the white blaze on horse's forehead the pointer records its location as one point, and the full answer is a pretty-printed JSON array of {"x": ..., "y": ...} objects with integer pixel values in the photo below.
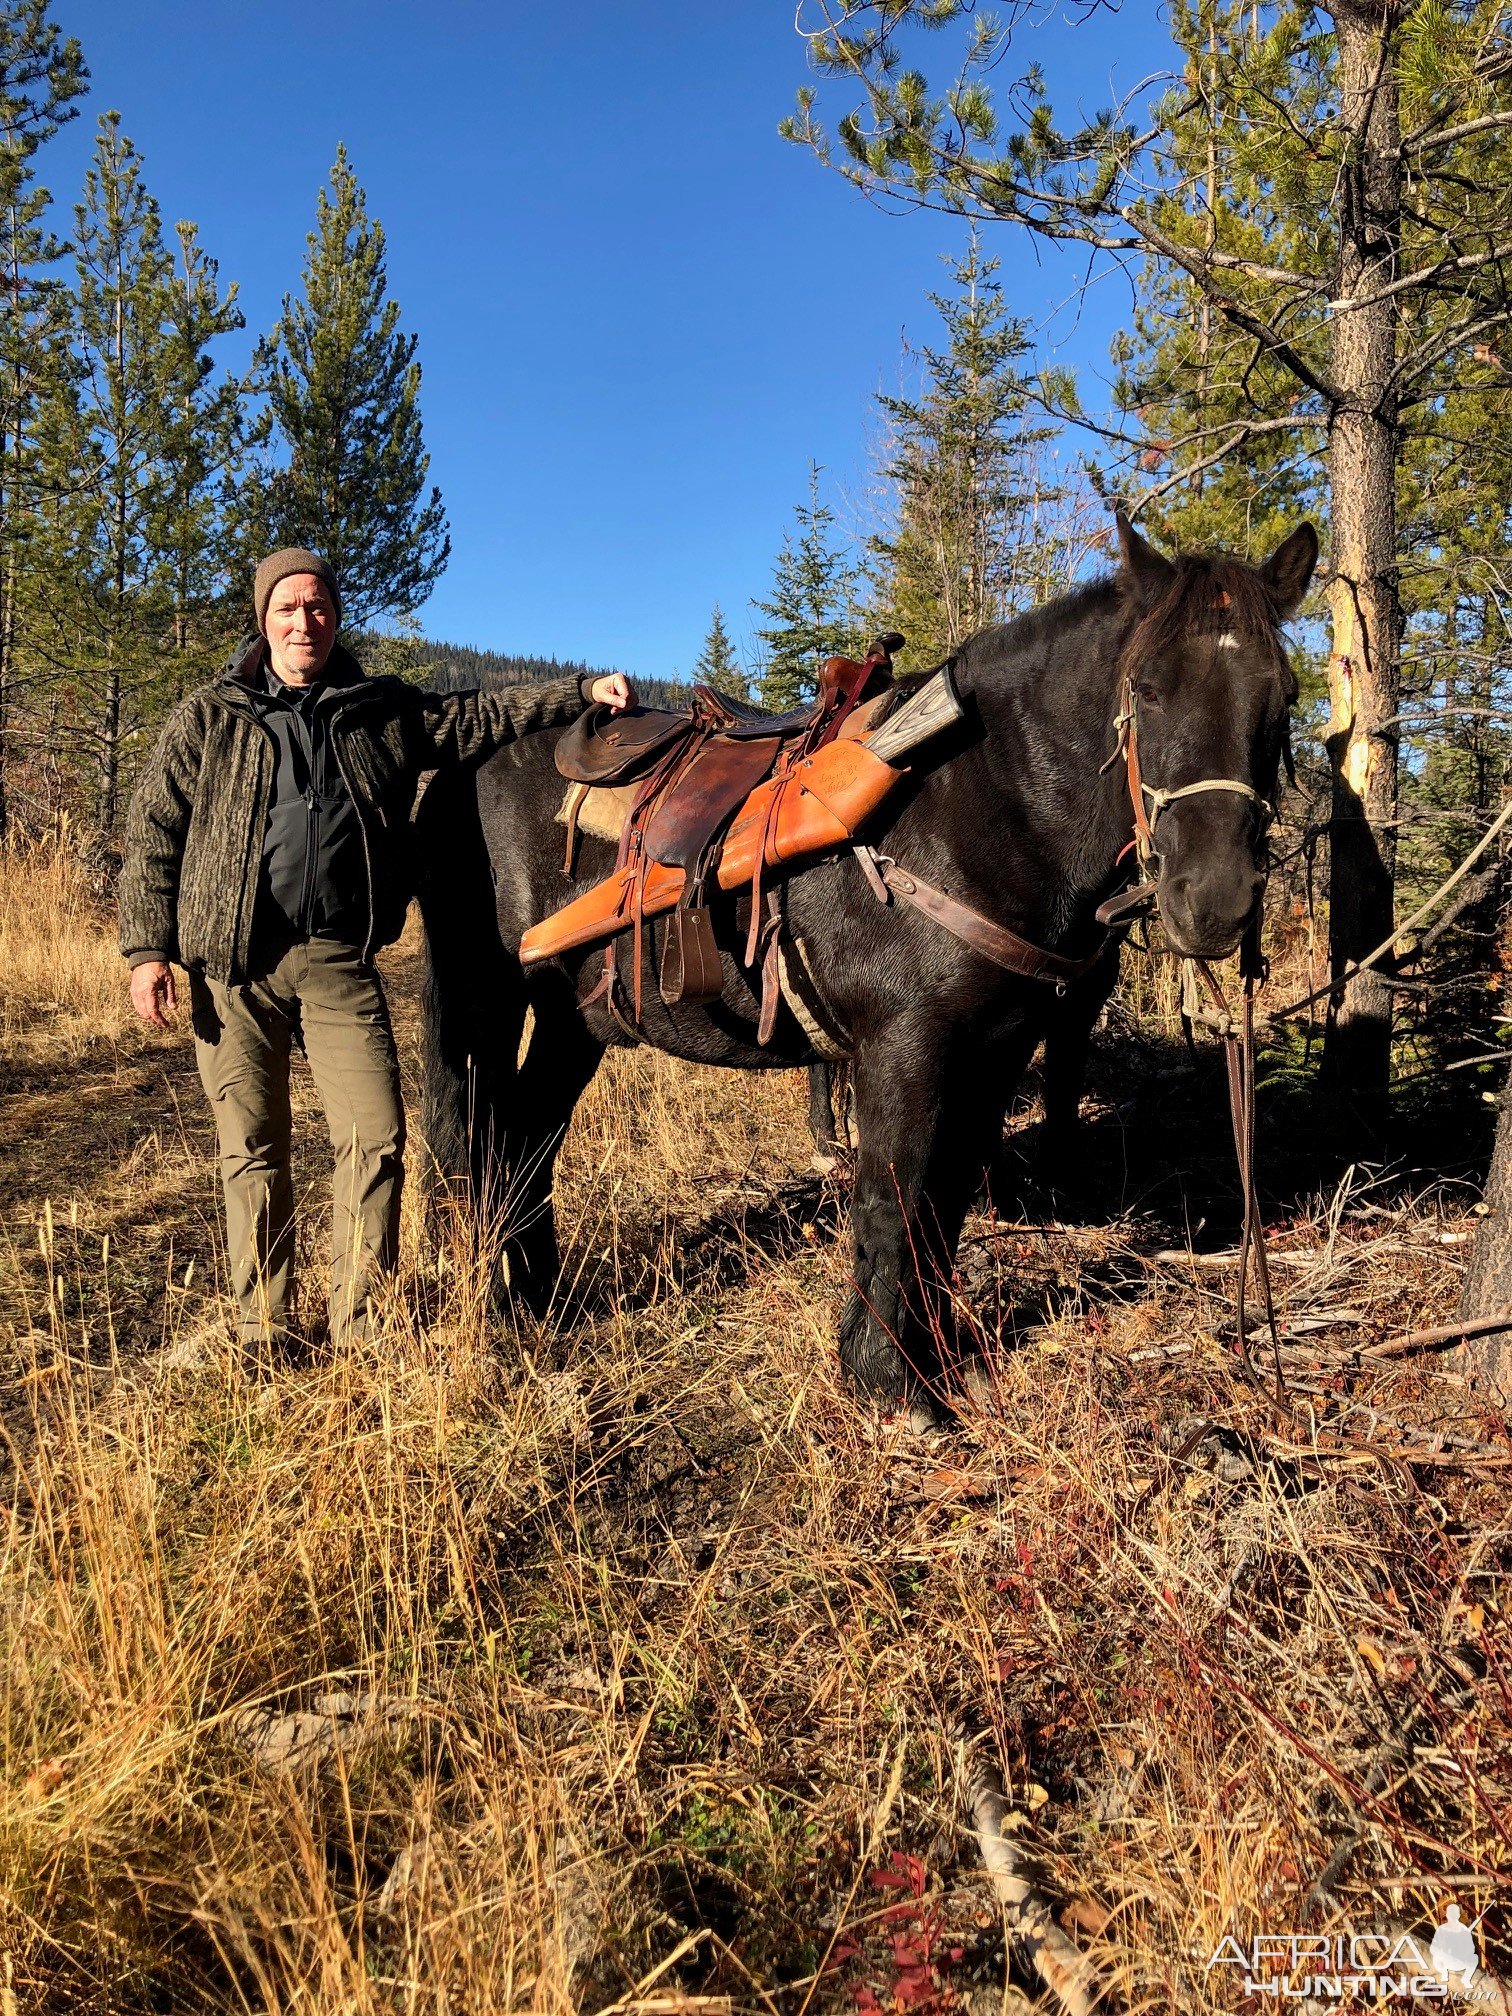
[{"x": 1227, "y": 641}]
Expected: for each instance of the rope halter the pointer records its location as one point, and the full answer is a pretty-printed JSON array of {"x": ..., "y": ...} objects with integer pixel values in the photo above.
[{"x": 1126, "y": 729}]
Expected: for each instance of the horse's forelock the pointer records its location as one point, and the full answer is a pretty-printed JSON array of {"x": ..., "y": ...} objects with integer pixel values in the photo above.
[{"x": 1208, "y": 596}]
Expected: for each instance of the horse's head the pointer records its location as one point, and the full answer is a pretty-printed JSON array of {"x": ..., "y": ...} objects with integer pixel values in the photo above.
[{"x": 1205, "y": 686}]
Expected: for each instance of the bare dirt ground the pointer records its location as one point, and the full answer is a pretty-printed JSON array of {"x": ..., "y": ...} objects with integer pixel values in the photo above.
[{"x": 625, "y": 1663}]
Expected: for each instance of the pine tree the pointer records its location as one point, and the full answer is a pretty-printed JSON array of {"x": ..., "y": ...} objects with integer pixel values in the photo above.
[
  {"x": 208, "y": 440},
  {"x": 41, "y": 75},
  {"x": 717, "y": 664},
  {"x": 108, "y": 435},
  {"x": 1381, "y": 134},
  {"x": 400, "y": 651},
  {"x": 343, "y": 390},
  {"x": 812, "y": 605},
  {"x": 965, "y": 467}
]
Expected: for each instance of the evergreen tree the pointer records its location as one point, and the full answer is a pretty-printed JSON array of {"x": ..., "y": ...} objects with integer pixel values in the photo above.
[
  {"x": 812, "y": 605},
  {"x": 400, "y": 651},
  {"x": 717, "y": 664},
  {"x": 965, "y": 469},
  {"x": 109, "y": 434},
  {"x": 343, "y": 390},
  {"x": 41, "y": 75},
  {"x": 1380, "y": 135},
  {"x": 203, "y": 458}
]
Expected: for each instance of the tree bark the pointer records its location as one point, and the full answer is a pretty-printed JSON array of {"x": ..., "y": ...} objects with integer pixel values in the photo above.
[
  {"x": 1487, "y": 1361},
  {"x": 1364, "y": 670},
  {"x": 7, "y": 633}
]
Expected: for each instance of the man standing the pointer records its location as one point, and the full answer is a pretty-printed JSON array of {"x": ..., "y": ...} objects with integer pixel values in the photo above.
[{"x": 266, "y": 853}]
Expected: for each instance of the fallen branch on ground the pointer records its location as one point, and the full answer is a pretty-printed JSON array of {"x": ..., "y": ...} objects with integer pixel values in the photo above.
[
  {"x": 1437, "y": 1334},
  {"x": 1061, "y": 1965}
]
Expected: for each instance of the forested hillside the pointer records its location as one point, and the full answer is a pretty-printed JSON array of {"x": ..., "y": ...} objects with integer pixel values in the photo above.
[{"x": 454, "y": 667}]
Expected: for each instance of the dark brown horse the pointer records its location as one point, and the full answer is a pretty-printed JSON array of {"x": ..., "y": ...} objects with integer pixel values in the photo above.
[{"x": 1023, "y": 813}]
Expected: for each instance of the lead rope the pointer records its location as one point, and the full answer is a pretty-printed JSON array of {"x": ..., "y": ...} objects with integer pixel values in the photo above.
[{"x": 1239, "y": 1056}]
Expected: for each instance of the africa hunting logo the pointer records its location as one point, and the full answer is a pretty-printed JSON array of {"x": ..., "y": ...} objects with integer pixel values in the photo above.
[{"x": 1357, "y": 1966}]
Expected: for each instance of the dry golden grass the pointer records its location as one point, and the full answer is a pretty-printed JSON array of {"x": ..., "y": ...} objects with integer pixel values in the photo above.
[
  {"x": 627, "y": 1664},
  {"x": 60, "y": 973}
]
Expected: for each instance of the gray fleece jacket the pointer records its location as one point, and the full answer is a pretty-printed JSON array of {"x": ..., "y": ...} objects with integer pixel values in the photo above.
[{"x": 199, "y": 817}]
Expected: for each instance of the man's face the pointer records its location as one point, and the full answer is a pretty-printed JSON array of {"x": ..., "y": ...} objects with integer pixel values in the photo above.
[{"x": 301, "y": 628}]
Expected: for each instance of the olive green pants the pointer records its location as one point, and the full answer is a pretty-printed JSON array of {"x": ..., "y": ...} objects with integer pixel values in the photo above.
[{"x": 325, "y": 996}]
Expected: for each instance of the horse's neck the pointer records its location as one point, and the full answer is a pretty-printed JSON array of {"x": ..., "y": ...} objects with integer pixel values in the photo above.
[{"x": 1049, "y": 708}]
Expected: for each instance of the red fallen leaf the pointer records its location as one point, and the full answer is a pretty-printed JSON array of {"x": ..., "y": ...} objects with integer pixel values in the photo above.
[
  {"x": 956, "y": 1955},
  {"x": 1085, "y": 1914},
  {"x": 915, "y": 1985},
  {"x": 1287, "y": 1868},
  {"x": 887, "y": 1879},
  {"x": 865, "y": 2000}
]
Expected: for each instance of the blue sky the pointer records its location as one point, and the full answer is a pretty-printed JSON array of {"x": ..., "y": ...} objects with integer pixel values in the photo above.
[{"x": 640, "y": 312}]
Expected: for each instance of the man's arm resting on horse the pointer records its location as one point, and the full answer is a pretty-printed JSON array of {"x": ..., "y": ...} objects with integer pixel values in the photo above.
[{"x": 464, "y": 726}]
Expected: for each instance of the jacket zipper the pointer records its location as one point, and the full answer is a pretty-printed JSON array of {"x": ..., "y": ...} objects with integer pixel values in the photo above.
[
  {"x": 241, "y": 935},
  {"x": 312, "y": 832}
]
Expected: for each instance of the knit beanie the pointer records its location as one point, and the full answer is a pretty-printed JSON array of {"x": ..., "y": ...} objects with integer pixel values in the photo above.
[{"x": 279, "y": 566}]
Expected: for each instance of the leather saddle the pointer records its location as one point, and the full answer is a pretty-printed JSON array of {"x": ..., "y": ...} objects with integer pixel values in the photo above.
[
  {"x": 696, "y": 772},
  {"x": 602, "y": 747}
]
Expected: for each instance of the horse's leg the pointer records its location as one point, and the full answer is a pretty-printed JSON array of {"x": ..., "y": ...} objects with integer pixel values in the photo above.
[
  {"x": 821, "y": 1115},
  {"x": 473, "y": 1006},
  {"x": 559, "y": 1061},
  {"x": 1068, "y": 1042},
  {"x": 927, "y": 1124}
]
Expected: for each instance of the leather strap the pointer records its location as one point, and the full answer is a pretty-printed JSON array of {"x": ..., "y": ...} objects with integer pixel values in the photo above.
[
  {"x": 995, "y": 942},
  {"x": 1126, "y": 744}
]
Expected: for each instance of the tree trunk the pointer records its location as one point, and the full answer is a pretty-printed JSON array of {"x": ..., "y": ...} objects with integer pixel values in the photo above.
[
  {"x": 110, "y": 753},
  {"x": 1487, "y": 1361},
  {"x": 7, "y": 635},
  {"x": 1363, "y": 673}
]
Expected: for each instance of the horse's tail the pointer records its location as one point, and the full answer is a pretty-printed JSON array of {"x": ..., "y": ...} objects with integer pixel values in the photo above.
[{"x": 469, "y": 976}]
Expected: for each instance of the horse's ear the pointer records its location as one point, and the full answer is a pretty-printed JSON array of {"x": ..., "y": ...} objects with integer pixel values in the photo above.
[
  {"x": 1149, "y": 571},
  {"x": 1290, "y": 568}
]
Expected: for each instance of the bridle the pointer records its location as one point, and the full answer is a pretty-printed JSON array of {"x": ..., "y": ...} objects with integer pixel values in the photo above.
[
  {"x": 1197, "y": 979},
  {"x": 1126, "y": 745}
]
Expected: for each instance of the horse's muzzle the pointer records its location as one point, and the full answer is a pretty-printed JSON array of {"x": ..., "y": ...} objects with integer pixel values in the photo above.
[{"x": 1205, "y": 915}]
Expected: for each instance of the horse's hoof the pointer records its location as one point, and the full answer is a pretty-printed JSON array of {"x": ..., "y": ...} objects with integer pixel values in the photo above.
[{"x": 926, "y": 1416}]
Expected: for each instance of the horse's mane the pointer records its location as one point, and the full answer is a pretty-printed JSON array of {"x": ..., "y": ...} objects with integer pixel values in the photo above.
[
  {"x": 1208, "y": 595},
  {"x": 1046, "y": 618}
]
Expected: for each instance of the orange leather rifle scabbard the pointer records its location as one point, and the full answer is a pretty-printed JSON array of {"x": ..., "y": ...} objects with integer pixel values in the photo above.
[{"x": 820, "y": 803}]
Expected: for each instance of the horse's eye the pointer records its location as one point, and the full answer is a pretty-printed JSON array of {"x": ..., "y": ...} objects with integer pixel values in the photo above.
[{"x": 1149, "y": 694}]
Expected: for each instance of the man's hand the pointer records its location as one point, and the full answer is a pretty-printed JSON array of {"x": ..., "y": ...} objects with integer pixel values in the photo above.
[
  {"x": 614, "y": 692},
  {"x": 152, "y": 990}
]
